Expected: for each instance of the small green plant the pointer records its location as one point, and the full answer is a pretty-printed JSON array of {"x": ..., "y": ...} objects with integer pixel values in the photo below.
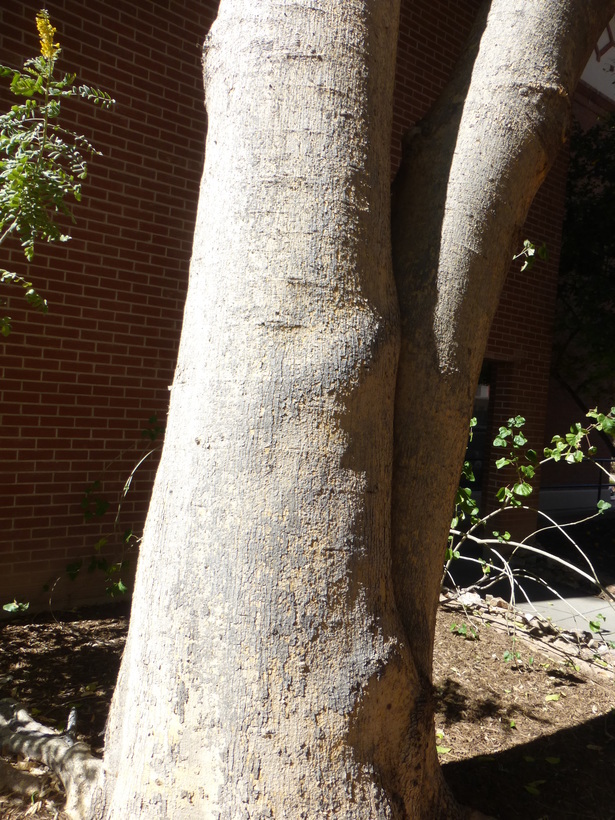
[
  {"x": 468, "y": 526},
  {"x": 512, "y": 438},
  {"x": 596, "y": 623},
  {"x": 41, "y": 162},
  {"x": 440, "y": 749},
  {"x": 15, "y": 607},
  {"x": 531, "y": 253},
  {"x": 92, "y": 503},
  {"x": 470, "y": 633},
  {"x": 95, "y": 506},
  {"x": 513, "y": 656}
]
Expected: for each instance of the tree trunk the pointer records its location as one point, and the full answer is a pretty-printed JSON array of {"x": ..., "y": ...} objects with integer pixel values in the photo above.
[
  {"x": 468, "y": 176},
  {"x": 266, "y": 672},
  {"x": 265, "y": 661}
]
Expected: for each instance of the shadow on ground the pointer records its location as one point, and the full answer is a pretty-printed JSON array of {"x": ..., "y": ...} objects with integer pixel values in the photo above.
[{"x": 568, "y": 774}]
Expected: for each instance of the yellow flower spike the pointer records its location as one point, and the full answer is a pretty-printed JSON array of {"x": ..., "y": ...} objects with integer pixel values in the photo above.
[{"x": 46, "y": 32}]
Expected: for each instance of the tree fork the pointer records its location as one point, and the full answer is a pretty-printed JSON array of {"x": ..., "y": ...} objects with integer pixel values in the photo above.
[
  {"x": 467, "y": 178},
  {"x": 267, "y": 672}
]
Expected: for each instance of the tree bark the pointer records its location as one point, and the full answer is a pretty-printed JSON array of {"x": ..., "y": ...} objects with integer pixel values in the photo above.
[
  {"x": 266, "y": 672},
  {"x": 468, "y": 176},
  {"x": 265, "y": 659}
]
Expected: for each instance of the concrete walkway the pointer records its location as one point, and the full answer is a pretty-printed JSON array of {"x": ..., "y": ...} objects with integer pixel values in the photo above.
[
  {"x": 565, "y": 613},
  {"x": 574, "y": 612}
]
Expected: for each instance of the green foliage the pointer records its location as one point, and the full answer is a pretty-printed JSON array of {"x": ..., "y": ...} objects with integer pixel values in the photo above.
[
  {"x": 42, "y": 164},
  {"x": 512, "y": 438},
  {"x": 92, "y": 504},
  {"x": 467, "y": 523},
  {"x": 441, "y": 750},
  {"x": 15, "y": 607},
  {"x": 575, "y": 446},
  {"x": 533, "y": 787},
  {"x": 470, "y": 633},
  {"x": 531, "y": 253},
  {"x": 596, "y": 623},
  {"x": 95, "y": 507},
  {"x": 154, "y": 429},
  {"x": 513, "y": 656}
]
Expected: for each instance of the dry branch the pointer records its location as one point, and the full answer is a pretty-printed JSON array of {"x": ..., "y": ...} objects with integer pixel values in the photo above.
[{"x": 79, "y": 771}]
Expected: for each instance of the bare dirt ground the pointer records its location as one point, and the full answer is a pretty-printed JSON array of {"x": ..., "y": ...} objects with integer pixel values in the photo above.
[{"x": 522, "y": 737}]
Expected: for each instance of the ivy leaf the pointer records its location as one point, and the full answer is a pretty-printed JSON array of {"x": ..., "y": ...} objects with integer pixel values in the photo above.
[{"x": 532, "y": 787}]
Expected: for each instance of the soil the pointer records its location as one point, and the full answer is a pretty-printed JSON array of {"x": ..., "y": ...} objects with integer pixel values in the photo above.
[
  {"x": 525, "y": 732},
  {"x": 525, "y": 715}
]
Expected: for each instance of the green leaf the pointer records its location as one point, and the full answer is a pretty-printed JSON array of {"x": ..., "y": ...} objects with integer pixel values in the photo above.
[
  {"x": 603, "y": 506},
  {"x": 73, "y": 569},
  {"x": 466, "y": 471},
  {"x": 522, "y": 488},
  {"x": 608, "y": 426},
  {"x": 443, "y": 750},
  {"x": 502, "y": 462},
  {"x": 116, "y": 588},
  {"x": 550, "y": 698},
  {"x": 596, "y": 624},
  {"x": 532, "y": 787},
  {"x": 16, "y": 606}
]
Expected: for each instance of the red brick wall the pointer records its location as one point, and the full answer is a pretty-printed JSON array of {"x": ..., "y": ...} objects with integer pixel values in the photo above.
[
  {"x": 78, "y": 385},
  {"x": 431, "y": 38}
]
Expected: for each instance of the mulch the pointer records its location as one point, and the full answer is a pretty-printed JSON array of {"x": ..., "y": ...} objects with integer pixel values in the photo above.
[{"x": 525, "y": 732}]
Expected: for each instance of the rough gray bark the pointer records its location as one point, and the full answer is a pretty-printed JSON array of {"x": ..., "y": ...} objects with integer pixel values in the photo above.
[
  {"x": 267, "y": 673},
  {"x": 265, "y": 660}
]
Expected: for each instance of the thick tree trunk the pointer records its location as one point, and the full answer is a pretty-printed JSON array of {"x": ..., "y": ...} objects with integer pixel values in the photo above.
[
  {"x": 265, "y": 661},
  {"x": 266, "y": 672}
]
